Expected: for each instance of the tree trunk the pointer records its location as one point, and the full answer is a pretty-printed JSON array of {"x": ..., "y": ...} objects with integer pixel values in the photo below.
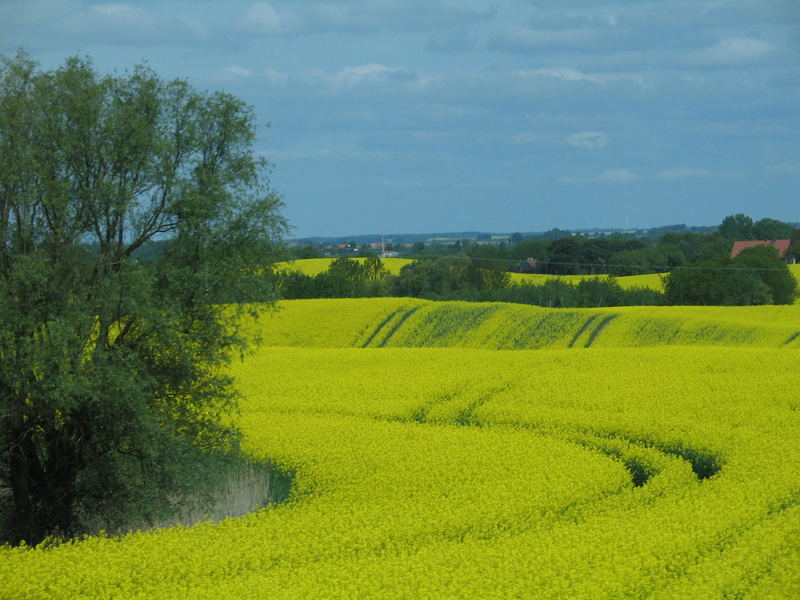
[
  {"x": 43, "y": 491},
  {"x": 22, "y": 520}
]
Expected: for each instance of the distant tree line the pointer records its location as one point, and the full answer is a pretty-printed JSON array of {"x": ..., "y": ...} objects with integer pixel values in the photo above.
[
  {"x": 701, "y": 271},
  {"x": 622, "y": 255},
  {"x": 455, "y": 278},
  {"x": 560, "y": 252}
]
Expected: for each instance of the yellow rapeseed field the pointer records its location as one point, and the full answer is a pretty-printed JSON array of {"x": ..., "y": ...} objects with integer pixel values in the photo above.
[
  {"x": 651, "y": 280},
  {"x": 407, "y": 322},
  {"x": 315, "y": 266},
  {"x": 532, "y": 453}
]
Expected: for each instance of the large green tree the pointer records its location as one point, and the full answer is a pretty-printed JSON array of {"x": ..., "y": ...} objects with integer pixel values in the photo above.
[
  {"x": 755, "y": 276},
  {"x": 737, "y": 227},
  {"x": 772, "y": 229},
  {"x": 112, "y": 380}
]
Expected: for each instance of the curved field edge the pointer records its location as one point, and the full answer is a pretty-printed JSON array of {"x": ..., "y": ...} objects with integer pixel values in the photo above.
[
  {"x": 406, "y": 322},
  {"x": 463, "y": 473}
]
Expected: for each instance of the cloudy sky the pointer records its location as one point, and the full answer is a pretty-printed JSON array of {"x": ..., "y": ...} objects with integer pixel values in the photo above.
[{"x": 505, "y": 115}]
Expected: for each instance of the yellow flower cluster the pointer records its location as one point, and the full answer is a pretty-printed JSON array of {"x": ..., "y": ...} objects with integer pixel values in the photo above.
[{"x": 670, "y": 471}]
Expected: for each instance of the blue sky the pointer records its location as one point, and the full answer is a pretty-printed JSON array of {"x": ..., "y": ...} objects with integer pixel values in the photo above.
[{"x": 452, "y": 115}]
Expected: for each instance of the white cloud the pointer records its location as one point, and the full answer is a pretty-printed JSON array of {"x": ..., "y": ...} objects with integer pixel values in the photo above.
[
  {"x": 732, "y": 51},
  {"x": 370, "y": 73},
  {"x": 238, "y": 71},
  {"x": 120, "y": 14},
  {"x": 269, "y": 75},
  {"x": 362, "y": 17},
  {"x": 684, "y": 173},
  {"x": 626, "y": 175},
  {"x": 612, "y": 176},
  {"x": 120, "y": 23},
  {"x": 374, "y": 73},
  {"x": 589, "y": 140},
  {"x": 574, "y": 75},
  {"x": 311, "y": 76},
  {"x": 565, "y": 73},
  {"x": 617, "y": 176},
  {"x": 275, "y": 77},
  {"x": 263, "y": 18}
]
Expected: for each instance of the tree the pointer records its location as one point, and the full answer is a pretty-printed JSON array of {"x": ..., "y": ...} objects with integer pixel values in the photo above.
[
  {"x": 775, "y": 275},
  {"x": 701, "y": 283},
  {"x": 755, "y": 276},
  {"x": 794, "y": 249},
  {"x": 448, "y": 277},
  {"x": 307, "y": 251},
  {"x": 772, "y": 229},
  {"x": 737, "y": 227},
  {"x": 565, "y": 256},
  {"x": 112, "y": 383},
  {"x": 344, "y": 278}
]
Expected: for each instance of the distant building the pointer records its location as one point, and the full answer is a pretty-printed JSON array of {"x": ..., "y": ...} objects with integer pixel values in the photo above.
[{"x": 782, "y": 246}]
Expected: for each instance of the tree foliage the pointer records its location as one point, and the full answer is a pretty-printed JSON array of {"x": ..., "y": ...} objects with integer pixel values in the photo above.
[
  {"x": 344, "y": 278},
  {"x": 737, "y": 227},
  {"x": 449, "y": 278},
  {"x": 755, "y": 276},
  {"x": 111, "y": 376}
]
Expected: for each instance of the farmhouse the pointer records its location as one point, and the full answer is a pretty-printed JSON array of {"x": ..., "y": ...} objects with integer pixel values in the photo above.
[{"x": 782, "y": 246}]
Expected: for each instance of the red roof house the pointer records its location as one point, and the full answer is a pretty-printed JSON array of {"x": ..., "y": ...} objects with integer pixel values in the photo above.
[{"x": 780, "y": 245}]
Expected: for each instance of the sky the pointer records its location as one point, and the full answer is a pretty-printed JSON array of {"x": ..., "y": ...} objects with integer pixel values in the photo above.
[{"x": 475, "y": 115}]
